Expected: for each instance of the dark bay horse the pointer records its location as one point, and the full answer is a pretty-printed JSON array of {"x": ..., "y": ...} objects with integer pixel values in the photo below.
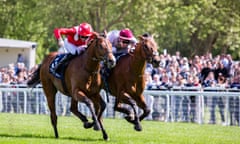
[
  {"x": 126, "y": 80},
  {"x": 82, "y": 82}
]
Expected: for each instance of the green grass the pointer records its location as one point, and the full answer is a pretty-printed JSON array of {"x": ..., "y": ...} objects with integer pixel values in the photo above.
[{"x": 37, "y": 129}]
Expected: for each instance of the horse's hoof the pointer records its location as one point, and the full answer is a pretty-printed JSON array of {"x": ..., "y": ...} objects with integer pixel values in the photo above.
[
  {"x": 87, "y": 125},
  {"x": 106, "y": 138},
  {"x": 129, "y": 119},
  {"x": 138, "y": 127},
  {"x": 96, "y": 127}
]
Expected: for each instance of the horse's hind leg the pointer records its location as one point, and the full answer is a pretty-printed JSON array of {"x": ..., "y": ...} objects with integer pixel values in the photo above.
[
  {"x": 83, "y": 118},
  {"x": 50, "y": 93}
]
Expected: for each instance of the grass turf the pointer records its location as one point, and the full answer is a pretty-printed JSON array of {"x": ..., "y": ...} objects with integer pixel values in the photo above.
[{"x": 37, "y": 129}]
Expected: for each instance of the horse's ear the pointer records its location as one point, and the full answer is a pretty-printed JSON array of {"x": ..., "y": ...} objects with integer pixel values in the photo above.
[
  {"x": 95, "y": 34},
  {"x": 104, "y": 34},
  {"x": 141, "y": 38},
  {"x": 152, "y": 35}
]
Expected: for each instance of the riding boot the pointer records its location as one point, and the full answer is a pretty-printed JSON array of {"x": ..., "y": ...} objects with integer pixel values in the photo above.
[{"x": 60, "y": 63}]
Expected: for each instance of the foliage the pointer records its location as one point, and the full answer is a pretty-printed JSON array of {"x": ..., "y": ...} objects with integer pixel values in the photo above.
[{"x": 189, "y": 26}]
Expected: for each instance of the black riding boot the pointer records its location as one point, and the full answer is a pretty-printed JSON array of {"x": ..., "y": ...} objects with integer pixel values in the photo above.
[{"x": 61, "y": 62}]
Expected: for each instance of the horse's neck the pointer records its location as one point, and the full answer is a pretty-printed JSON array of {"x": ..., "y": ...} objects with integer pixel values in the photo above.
[
  {"x": 138, "y": 63},
  {"x": 91, "y": 64}
]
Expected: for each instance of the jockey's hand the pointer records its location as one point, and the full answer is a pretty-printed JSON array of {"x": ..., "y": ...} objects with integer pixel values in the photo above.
[
  {"x": 60, "y": 42},
  {"x": 82, "y": 47}
]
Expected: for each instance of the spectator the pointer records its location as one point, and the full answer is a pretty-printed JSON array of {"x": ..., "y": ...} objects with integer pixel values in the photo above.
[
  {"x": 230, "y": 62},
  {"x": 234, "y": 101},
  {"x": 193, "y": 81},
  {"x": 184, "y": 65},
  {"x": 176, "y": 100},
  {"x": 197, "y": 62},
  {"x": 211, "y": 82},
  {"x": 221, "y": 70},
  {"x": 20, "y": 58},
  {"x": 178, "y": 55},
  {"x": 185, "y": 104},
  {"x": 6, "y": 96},
  {"x": 164, "y": 80},
  {"x": 206, "y": 69},
  {"x": 156, "y": 83},
  {"x": 2, "y": 71}
]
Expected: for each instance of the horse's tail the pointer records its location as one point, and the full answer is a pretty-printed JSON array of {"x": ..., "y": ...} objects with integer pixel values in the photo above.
[{"x": 35, "y": 78}]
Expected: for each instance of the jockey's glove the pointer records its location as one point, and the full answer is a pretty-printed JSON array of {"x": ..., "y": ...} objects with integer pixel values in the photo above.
[
  {"x": 82, "y": 47},
  {"x": 60, "y": 42}
]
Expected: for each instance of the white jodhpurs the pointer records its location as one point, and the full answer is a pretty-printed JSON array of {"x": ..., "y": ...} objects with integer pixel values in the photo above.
[{"x": 70, "y": 48}]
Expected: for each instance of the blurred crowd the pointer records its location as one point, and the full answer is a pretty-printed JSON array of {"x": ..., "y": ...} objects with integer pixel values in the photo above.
[
  {"x": 203, "y": 71},
  {"x": 15, "y": 73}
]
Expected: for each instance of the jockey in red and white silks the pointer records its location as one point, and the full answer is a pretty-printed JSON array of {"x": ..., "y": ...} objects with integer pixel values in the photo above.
[{"x": 76, "y": 38}]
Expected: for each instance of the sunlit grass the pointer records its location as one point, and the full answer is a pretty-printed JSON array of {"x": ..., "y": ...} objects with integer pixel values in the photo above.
[{"x": 37, "y": 129}]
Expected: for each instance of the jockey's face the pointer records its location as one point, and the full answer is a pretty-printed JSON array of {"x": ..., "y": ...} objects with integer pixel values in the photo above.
[
  {"x": 123, "y": 43},
  {"x": 84, "y": 38}
]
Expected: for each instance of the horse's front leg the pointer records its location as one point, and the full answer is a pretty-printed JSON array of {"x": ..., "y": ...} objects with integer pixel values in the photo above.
[
  {"x": 80, "y": 96},
  {"x": 83, "y": 118},
  {"x": 100, "y": 106},
  {"x": 118, "y": 107},
  {"x": 142, "y": 104}
]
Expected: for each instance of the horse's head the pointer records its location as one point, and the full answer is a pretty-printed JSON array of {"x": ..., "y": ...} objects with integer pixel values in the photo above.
[
  {"x": 103, "y": 50},
  {"x": 149, "y": 50}
]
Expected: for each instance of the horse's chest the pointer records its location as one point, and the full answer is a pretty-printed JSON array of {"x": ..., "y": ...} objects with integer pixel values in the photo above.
[
  {"x": 93, "y": 84},
  {"x": 136, "y": 85}
]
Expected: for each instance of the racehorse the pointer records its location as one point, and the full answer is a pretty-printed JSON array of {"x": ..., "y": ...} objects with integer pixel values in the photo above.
[
  {"x": 126, "y": 80},
  {"x": 82, "y": 82}
]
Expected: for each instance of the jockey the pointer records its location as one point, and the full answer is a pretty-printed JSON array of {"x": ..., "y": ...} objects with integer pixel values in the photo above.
[
  {"x": 75, "y": 42},
  {"x": 122, "y": 41}
]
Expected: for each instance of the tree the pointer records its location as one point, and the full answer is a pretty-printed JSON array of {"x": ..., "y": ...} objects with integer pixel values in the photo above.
[{"x": 192, "y": 27}]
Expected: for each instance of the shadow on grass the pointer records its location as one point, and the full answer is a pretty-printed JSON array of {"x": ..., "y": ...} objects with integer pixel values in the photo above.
[{"x": 49, "y": 137}]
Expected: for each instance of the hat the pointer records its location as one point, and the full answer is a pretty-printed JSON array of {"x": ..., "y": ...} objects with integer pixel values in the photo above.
[{"x": 126, "y": 34}]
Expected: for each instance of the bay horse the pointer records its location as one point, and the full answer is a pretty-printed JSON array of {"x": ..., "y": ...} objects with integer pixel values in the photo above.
[
  {"x": 126, "y": 80},
  {"x": 82, "y": 82}
]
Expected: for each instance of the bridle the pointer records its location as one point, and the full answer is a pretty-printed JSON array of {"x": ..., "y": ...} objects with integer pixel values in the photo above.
[{"x": 104, "y": 57}]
